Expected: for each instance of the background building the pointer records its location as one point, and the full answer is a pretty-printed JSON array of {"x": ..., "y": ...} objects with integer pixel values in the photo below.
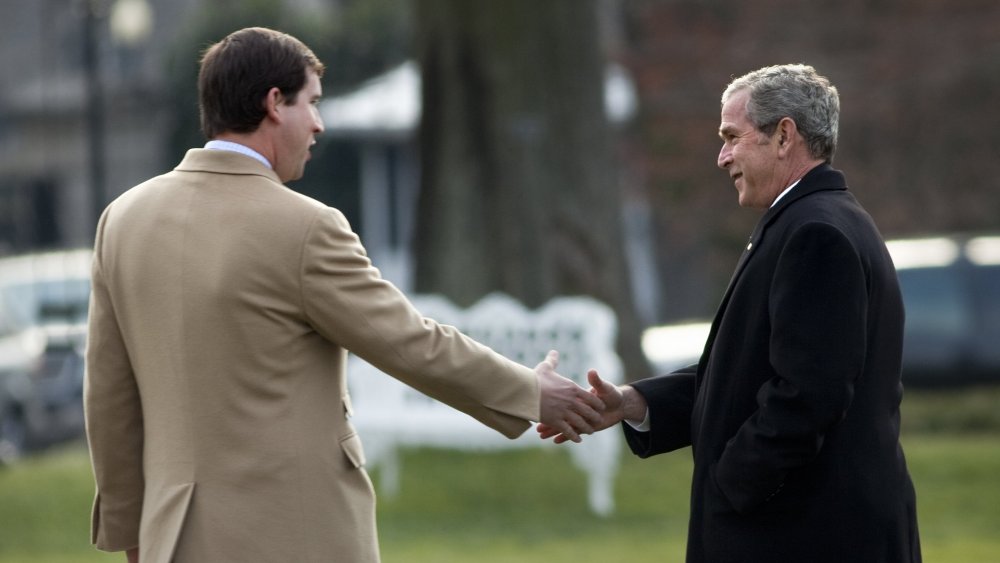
[{"x": 83, "y": 111}]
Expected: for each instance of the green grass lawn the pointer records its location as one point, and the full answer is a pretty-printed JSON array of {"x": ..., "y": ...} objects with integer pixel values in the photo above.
[{"x": 530, "y": 506}]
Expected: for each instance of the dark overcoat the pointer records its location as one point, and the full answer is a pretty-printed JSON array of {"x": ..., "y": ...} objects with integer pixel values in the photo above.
[{"x": 793, "y": 410}]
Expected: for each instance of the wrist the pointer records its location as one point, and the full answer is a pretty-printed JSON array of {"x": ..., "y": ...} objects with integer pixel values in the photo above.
[{"x": 634, "y": 406}]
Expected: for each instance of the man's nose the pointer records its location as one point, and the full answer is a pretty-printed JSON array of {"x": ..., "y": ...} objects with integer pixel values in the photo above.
[
  {"x": 725, "y": 157},
  {"x": 318, "y": 126}
]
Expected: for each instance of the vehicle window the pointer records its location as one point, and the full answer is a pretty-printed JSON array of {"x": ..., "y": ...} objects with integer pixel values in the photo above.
[
  {"x": 986, "y": 285},
  {"x": 934, "y": 299},
  {"x": 937, "y": 314}
]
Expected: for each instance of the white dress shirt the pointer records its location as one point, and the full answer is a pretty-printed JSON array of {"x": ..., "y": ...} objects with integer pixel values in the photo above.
[{"x": 236, "y": 147}]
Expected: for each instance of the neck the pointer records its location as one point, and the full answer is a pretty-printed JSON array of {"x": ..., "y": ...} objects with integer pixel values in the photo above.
[{"x": 795, "y": 173}]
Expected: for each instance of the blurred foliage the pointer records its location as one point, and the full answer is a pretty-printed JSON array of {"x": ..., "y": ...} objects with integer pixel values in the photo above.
[
  {"x": 355, "y": 39},
  {"x": 952, "y": 411}
]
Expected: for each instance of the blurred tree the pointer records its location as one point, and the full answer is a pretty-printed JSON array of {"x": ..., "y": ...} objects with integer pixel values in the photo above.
[{"x": 518, "y": 189}]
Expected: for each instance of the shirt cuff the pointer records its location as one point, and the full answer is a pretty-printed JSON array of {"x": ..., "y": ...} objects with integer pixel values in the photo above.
[{"x": 640, "y": 426}]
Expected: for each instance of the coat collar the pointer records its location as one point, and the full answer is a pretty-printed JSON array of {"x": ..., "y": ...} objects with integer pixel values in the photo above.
[
  {"x": 224, "y": 162},
  {"x": 821, "y": 178}
]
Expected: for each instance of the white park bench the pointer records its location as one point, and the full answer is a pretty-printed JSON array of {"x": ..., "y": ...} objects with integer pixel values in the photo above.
[{"x": 389, "y": 415}]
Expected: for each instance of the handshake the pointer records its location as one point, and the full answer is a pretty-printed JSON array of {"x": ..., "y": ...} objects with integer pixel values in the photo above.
[{"x": 568, "y": 411}]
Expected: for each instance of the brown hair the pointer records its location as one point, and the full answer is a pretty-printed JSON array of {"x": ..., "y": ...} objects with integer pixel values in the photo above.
[{"x": 237, "y": 73}]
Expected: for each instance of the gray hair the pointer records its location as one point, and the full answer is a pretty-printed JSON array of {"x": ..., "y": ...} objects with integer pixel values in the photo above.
[{"x": 798, "y": 92}]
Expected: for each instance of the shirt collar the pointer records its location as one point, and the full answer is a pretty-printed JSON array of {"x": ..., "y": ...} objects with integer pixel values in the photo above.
[
  {"x": 788, "y": 189},
  {"x": 219, "y": 145}
]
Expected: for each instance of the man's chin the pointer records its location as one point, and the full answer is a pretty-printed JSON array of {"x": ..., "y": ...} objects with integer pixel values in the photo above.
[{"x": 294, "y": 174}]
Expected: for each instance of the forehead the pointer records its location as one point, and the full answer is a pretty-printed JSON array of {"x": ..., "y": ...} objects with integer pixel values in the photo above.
[
  {"x": 312, "y": 85},
  {"x": 734, "y": 113}
]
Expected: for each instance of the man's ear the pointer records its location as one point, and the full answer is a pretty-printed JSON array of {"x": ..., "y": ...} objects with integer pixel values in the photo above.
[
  {"x": 786, "y": 132},
  {"x": 272, "y": 104}
]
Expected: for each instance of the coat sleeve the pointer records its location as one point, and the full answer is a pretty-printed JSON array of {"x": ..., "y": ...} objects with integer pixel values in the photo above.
[
  {"x": 113, "y": 414},
  {"x": 670, "y": 399},
  {"x": 818, "y": 308},
  {"x": 348, "y": 302}
]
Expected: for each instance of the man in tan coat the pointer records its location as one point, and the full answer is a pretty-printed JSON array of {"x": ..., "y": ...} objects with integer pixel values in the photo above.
[{"x": 222, "y": 309}]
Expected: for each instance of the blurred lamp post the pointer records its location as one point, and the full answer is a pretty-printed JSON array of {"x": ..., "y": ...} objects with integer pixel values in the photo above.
[
  {"x": 95, "y": 110},
  {"x": 130, "y": 23}
]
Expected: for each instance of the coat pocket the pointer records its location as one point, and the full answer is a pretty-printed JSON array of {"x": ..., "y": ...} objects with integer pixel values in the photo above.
[{"x": 353, "y": 449}]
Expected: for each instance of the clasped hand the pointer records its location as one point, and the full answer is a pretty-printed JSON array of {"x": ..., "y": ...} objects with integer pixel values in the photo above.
[
  {"x": 568, "y": 410},
  {"x": 611, "y": 411}
]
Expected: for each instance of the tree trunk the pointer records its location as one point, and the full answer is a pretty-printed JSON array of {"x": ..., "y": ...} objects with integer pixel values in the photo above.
[{"x": 518, "y": 185}]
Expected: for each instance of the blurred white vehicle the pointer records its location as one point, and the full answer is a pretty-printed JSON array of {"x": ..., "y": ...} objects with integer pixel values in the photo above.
[{"x": 43, "y": 311}]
